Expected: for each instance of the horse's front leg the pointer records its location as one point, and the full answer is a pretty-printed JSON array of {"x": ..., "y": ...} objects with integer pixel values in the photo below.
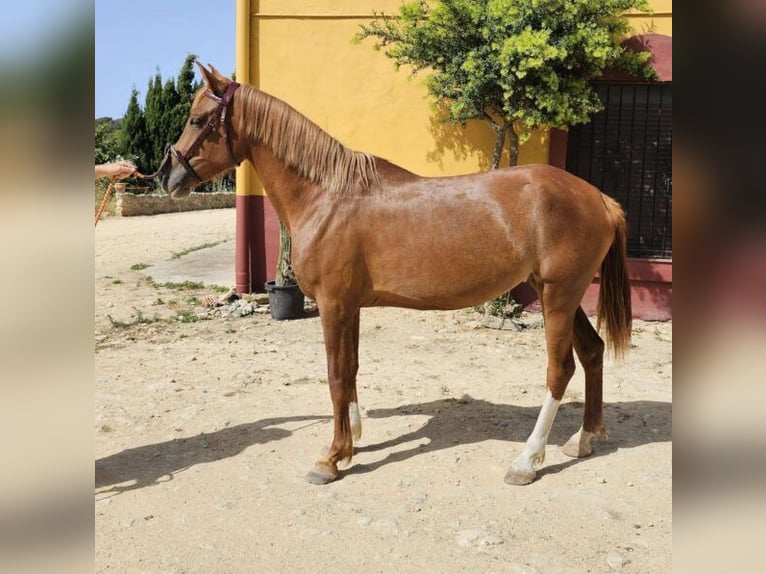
[{"x": 341, "y": 336}]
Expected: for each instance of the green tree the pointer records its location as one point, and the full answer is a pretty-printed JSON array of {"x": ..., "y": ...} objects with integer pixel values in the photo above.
[
  {"x": 153, "y": 114},
  {"x": 107, "y": 145},
  {"x": 516, "y": 64},
  {"x": 134, "y": 137},
  {"x": 169, "y": 124},
  {"x": 180, "y": 105},
  {"x": 186, "y": 85},
  {"x": 146, "y": 131},
  {"x": 166, "y": 108}
]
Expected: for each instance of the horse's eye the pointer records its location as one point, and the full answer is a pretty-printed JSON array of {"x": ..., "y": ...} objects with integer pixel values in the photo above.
[{"x": 196, "y": 122}]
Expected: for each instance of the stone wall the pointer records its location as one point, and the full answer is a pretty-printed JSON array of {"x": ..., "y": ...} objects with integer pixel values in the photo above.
[{"x": 129, "y": 204}]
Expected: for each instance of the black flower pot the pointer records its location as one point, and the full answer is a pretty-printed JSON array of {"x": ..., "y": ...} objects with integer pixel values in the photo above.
[{"x": 285, "y": 301}]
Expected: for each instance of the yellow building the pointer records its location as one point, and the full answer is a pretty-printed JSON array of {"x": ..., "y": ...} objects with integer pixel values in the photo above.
[{"x": 302, "y": 52}]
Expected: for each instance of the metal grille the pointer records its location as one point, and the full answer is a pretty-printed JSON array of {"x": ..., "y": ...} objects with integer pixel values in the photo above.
[{"x": 626, "y": 151}]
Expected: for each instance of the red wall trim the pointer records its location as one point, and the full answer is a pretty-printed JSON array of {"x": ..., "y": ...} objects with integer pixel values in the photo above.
[
  {"x": 257, "y": 243},
  {"x": 651, "y": 291}
]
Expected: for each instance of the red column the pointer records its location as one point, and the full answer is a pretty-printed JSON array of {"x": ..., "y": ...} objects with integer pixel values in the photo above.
[{"x": 257, "y": 243}]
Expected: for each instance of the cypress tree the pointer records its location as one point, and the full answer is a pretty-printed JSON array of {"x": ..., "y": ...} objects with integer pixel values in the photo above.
[
  {"x": 153, "y": 112},
  {"x": 170, "y": 121},
  {"x": 145, "y": 133},
  {"x": 186, "y": 85},
  {"x": 134, "y": 140},
  {"x": 186, "y": 88}
]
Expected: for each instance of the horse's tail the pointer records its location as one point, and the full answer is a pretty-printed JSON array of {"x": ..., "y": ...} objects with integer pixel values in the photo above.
[{"x": 614, "y": 306}]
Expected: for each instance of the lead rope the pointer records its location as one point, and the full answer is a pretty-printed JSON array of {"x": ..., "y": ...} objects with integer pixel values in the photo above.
[
  {"x": 106, "y": 198},
  {"x": 136, "y": 175}
]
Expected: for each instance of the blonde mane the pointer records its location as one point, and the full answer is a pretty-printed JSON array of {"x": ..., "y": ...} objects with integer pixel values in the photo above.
[{"x": 302, "y": 145}]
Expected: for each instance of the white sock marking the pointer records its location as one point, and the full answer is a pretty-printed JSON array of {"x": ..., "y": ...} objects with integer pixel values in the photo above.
[
  {"x": 534, "y": 449},
  {"x": 355, "y": 419}
]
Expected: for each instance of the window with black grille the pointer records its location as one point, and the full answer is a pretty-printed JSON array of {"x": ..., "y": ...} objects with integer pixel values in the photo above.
[{"x": 626, "y": 151}]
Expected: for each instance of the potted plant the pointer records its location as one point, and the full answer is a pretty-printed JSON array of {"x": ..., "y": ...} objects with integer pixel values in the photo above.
[{"x": 285, "y": 296}]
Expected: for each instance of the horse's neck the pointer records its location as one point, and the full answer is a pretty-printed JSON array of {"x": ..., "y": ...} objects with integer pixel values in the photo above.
[{"x": 291, "y": 194}]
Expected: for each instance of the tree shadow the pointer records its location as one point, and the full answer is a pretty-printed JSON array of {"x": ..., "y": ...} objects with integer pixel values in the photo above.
[
  {"x": 465, "y": 421},
  {"x": 154, "y": 464},
  {"x": 474, "y": 140}
]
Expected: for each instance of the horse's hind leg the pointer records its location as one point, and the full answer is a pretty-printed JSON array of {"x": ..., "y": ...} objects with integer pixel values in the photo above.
[
  {"x": 590, "y": 350},
  {"x": 559, "y": 305},
  {"x": 341, "y": 335}
]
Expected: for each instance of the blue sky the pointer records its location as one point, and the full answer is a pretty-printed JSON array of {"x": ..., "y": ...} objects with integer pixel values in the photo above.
[{"x": 135, "y": 37}]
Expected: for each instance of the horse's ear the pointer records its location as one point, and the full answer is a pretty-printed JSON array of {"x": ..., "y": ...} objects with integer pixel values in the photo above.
[
  {"x": 205, "y": 73},
  {"x": 219, "y": 76},
  {"x": 214, "y": 81}
]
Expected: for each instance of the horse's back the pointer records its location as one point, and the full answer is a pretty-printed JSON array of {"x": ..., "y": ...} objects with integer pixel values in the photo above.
[{"x": 450, "y": 242}]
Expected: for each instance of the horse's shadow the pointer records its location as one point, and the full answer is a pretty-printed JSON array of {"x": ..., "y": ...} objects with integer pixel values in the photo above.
[
  {"x": 153, "y": 464},
  {"x": 452, "y": 422},
  {"x": 464, "y": 421}
]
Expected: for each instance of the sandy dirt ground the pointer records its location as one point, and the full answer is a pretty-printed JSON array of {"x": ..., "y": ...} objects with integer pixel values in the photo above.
[{"x": 205, "y": 430}]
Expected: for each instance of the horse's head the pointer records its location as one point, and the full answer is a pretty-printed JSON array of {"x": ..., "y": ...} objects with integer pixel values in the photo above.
[{"x": 206, "y": 147}]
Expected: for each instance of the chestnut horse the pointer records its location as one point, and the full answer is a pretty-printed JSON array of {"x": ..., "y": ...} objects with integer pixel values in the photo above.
[{"x": 366, "y": 232}]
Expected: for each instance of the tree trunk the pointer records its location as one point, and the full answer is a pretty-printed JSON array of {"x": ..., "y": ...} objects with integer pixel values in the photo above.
[
  {"x": 285, "y": 275},
  {"x": 513, "y": 150},
  {"x": 500, "y": 133}
]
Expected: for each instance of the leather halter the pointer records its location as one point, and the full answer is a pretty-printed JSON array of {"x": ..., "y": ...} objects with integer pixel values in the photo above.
[{"x": 216, "y": 120}]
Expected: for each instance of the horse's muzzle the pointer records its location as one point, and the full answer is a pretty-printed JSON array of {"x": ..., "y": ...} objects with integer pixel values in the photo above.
[
  {"x": 171, "y": 178},
  {"x": 174, "y": 181}
]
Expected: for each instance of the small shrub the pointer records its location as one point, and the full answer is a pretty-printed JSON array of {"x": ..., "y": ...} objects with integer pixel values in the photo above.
[
  {"x": 139, "y": 319},
  {"x": 501, "y": 306},
  {"x": 192, "y": 249},
  {"x": 184, "y": 286},
  {"x": 187, "y": 317}
]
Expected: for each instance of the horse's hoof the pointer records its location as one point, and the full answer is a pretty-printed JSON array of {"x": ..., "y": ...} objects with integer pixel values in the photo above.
[
  {"x": 578, "y": 445},
  {"x": 576, "y": 449},
  {"x": 519, "y": 476},
  {"x": 321, "y": 475}
]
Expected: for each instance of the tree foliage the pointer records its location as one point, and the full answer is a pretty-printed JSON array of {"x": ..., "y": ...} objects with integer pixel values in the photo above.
[
  {"x": 186, "y": 87},
  {"x": 106, "y": 140},
  {"x": 134, "y": 138},
  {"x": 145, "y": 131},
  {"x": 154, "y": 112},
  {"x": 517, "y": 64}
]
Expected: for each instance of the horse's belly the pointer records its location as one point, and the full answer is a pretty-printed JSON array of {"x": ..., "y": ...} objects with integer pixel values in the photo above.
[{"x": 446, "y": 285}]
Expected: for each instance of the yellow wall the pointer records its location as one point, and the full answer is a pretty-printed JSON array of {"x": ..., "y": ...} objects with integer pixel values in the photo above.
[
  {"x": 659, "y": 22},
  {"x": 302, "y": 53}
]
